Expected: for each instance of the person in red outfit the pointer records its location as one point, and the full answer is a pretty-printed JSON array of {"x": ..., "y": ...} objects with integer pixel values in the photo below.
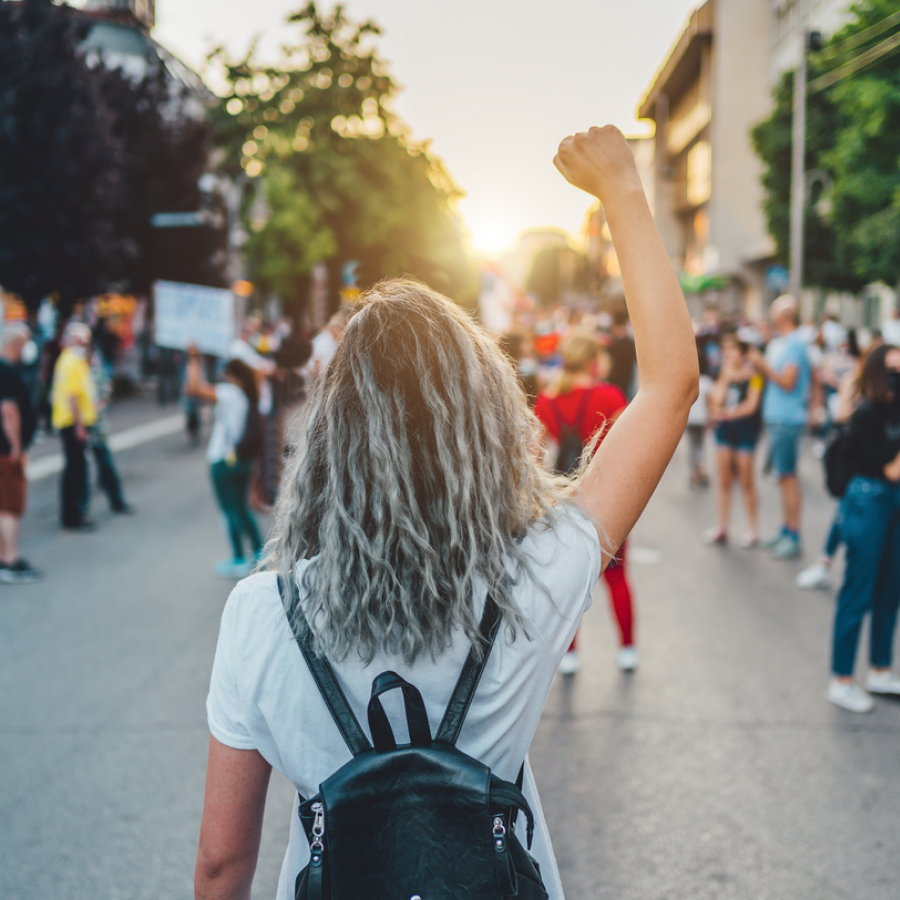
[{"x": 582, "y": 402}]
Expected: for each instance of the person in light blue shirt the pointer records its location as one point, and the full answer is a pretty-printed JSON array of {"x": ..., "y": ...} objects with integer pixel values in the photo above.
[{"x": 788, "y": 373}]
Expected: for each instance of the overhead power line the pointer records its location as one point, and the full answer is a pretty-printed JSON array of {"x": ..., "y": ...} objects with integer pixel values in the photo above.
[
  {"x": 861, "y": 36},
  {"x": 873, "y": 54}
]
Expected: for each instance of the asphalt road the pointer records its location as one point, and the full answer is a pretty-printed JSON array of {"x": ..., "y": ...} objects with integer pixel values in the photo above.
[{"x": 718, "y": 770}]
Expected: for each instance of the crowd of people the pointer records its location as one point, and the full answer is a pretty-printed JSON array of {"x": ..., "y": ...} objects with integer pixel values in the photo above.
[{"x": 769, "y": 384}]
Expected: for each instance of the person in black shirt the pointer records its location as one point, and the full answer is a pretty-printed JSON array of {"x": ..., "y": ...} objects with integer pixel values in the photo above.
[
  {"x": 871, "y": 531},
  {"x": 16, "y": 431},
  {"x": 621, "y": 354}
]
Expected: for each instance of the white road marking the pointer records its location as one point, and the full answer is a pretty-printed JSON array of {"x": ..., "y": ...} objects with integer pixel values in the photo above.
[{"x": 122, "y": 440}]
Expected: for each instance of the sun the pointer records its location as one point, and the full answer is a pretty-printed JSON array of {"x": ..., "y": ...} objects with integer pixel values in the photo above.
[{"x": 491, "y": 236}]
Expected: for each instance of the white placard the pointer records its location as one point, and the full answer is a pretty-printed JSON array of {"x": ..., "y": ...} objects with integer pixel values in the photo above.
[{"x": 193, "y": 314}]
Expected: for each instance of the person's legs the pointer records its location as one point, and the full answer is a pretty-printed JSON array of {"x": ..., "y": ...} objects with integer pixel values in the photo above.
[
  {"x": 725, "y": 466},
  {"x": 224, "y": 486},
  {"x": 107, "y": 475},
  {"x": 616, "y": 578},
  {"x": 72, "y": 485},
  {"x": 243, "y": 472},
  {"x": 792, "y": 502},
  {"x": 9, "y": 538},
  {"x": 886, "y": 597},
  {"x": 747, "y": 478},
  {"x": 833, "y": 541},
  {"x": 867, "y": 513}
]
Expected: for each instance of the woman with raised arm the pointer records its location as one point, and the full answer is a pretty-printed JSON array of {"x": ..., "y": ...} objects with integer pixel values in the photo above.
[{"x": 413, "y": 502}]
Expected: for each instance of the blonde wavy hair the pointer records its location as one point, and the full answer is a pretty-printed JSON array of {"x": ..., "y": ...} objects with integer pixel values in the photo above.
[{"x": 413, "y": 479}]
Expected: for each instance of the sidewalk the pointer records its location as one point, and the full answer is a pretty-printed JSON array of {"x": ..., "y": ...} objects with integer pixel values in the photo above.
[{"x": 133, "y": 421}]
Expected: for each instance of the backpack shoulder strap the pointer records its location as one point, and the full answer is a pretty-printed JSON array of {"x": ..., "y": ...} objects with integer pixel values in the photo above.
[
  {"x": 461, "y": 699},
  {"x": 575, "y": 424},
  {"x": 331, "y": 692}
]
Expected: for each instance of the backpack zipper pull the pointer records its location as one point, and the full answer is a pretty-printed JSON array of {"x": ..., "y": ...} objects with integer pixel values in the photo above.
[
  {"x": 499, "y": 832},
  {"x": 317, "y": 844}
]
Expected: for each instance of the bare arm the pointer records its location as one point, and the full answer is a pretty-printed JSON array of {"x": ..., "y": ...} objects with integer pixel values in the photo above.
[
  {"x": 236, "y": 785},
  {"x": 892, "y": 469},
  {"x": 629, "y": 463},
  {"x": 786, "y": 379},
  {"x": 12, "y": 426},
  {"x": 196, "y": 384}
]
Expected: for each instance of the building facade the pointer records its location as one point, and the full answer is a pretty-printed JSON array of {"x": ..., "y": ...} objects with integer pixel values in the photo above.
[{"x": 713, "y": 87}]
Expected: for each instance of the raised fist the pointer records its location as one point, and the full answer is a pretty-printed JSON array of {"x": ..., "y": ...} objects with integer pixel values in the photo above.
[{"x": 598, "y": 161}]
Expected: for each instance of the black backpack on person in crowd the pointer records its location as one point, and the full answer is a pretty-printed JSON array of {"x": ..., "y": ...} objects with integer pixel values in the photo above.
[
  {"x": 571, "y": 446},
  {"x": 248, "y": 447},
  {"x": 837, "y": 460},
  {"x": 417, "y": 821}
]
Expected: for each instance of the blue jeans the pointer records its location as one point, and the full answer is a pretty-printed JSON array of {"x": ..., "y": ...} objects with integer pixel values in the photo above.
[
  {"x": 871, "y": 533},
  {"x": 232, "y": 484}
]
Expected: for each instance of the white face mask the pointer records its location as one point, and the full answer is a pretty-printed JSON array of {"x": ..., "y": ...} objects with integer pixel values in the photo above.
[
  {"x": 29, "y": 353},
  {"x": 79, "y": 350}
]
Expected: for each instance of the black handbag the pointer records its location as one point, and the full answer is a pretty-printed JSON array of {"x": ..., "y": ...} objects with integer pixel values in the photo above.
[{"x": 418, "y": 821}]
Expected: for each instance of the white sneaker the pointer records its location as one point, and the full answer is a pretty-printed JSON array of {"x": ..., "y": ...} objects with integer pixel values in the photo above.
[
  {"x": 627, "y": 658},
  {"x": 816, "y": 577},
  {"x": 849, "y": 695},
  {"x": 569, "y": 663},
  {"x": 883, "y": 683}
]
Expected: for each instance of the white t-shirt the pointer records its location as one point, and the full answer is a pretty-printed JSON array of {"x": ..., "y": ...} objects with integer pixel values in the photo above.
[
  {"x": 699, "y": 412},
  {"x": 230, "y": 420},
  {"x": 262, "y": 696}
]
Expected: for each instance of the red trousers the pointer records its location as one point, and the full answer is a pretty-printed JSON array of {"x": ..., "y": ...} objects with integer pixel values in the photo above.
[{"x": 616, "y": 579}]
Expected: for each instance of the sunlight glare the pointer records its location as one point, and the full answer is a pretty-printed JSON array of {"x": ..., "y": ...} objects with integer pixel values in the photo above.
[{"x": 492, "y": 236}]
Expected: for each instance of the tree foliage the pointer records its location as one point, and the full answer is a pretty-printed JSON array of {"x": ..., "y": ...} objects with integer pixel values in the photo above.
[
  {"x": 87, "y": 155},
  {"x": 343, "y": 177},
  {"x": 851, "y": 136},
  {"x": 61, "y": 179}
]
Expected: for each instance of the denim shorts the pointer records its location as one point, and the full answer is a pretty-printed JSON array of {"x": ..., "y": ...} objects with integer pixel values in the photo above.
[
  {"x": 784, "y": 446},
  {"x": 739, "y": 435}
]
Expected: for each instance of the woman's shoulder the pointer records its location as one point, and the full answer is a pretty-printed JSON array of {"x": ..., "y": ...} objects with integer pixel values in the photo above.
[{"x": 564, "y": 542}]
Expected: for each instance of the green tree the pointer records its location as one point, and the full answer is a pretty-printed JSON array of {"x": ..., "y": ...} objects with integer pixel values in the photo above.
[
  {"x": 865, "y": 153},
  {"x": 344, "y": 179},
  {"x": 850, "y": 240},
  {"x": 61, "y": 187}
]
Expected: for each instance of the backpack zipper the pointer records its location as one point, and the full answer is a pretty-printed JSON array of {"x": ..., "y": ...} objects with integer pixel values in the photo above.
[{"x": 317, "y": 844}]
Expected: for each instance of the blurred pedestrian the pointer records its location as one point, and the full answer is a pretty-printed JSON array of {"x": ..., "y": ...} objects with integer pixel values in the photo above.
[
  {"x": 231, "y": 465},
  {"x": 734, "y": 407},
  {"x": 17, "y": 423},
  {"x": 788, "y": 375},
  {"x": 415, "y": 499},
  {"x": 324, "y": 346},
  {"x": 622, "y": 353},
  {"x": 871, "y": 533},
  {"x": 107, "y": 474},
  {"x": 698, "y": 423},
  {"x": 73, "y": 398},
  {"x": 581, "y": 407},
  {"x": 841, "y": 406}
]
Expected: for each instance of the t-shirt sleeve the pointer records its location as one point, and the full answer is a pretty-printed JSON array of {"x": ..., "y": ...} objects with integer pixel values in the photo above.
[
  {"x": 566, "y": 558},
  {"x": 225, "y": 710}
]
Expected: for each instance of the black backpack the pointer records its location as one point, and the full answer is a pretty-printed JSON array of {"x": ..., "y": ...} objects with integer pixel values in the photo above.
[
  {"x": 837, "y": 460},
  {"x": 571, "y": 446},
  {"x": 419, "y": 821},
  {"x": 248, "y": 447}
]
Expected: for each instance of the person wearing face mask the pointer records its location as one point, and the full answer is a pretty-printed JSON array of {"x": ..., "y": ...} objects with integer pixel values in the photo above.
[
  {"x": 870, "y": 529},
  {"x": 73, "y": 400}
]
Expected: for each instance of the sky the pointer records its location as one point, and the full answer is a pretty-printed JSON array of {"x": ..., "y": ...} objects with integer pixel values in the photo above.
[{"x": 493, "y": 84}]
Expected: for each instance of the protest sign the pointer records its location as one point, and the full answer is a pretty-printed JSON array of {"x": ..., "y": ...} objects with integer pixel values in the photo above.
[{"x": 193, "y": 314}]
